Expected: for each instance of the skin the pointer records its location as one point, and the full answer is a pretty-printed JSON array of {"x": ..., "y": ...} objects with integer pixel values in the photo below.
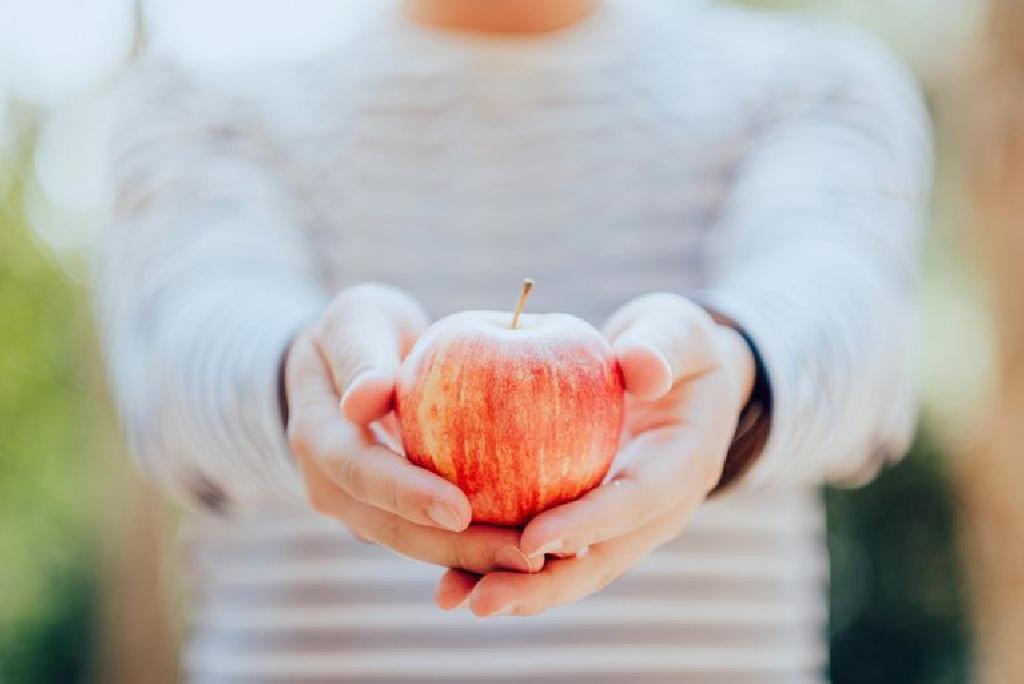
[
  {"x": 687, "y": 379},
  {"x": 350, "y": 358},
  {"x": 500, "y": 16}
]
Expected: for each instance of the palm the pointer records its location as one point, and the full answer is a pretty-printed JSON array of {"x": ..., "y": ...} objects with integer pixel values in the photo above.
[
  {"x": 686, "y": 378},
  {"x": 695, "y": 419}
]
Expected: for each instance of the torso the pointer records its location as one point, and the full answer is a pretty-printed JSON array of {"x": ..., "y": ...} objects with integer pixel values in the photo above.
[{"x": 453, "y": 170}]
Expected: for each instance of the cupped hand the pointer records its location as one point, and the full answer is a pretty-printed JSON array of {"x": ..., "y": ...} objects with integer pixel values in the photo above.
[
  {"x": 687, "y": 379},
  {"x": 339, "y": 379}
]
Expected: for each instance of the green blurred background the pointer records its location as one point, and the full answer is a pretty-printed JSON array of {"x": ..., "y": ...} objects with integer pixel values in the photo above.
[
  {"x": 898, "y": 599},
  {"x": 49, "y": 465}
]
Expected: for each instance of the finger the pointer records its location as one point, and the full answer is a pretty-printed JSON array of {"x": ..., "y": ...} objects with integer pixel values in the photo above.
[
  {"x": 656, "y": 352},
  {"x": 454, "y": 588},
  {"x": 479, "y": 548},
  {"x": 307, "y": 381},
  {"x": 653, "y": 304},
  {"x": 388, "y": 432},
  {"x": 659, "y": 340},
  {"x": 331, "y": 449},
  {"x": 314, "y": 426},
  {"x": 370, "y": 396},
  {"x": 375, "y": 475},
  {"x": 315, "y": 376},
  {"x": 363, "y": 338},
  {"x": 565, "y": 581},
  {"x": 660, "y": 477},
  {"x": 347, "y": 455}
]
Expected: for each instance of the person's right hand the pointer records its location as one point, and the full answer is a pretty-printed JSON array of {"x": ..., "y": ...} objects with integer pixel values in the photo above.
[{"x": 339, "y": 378}]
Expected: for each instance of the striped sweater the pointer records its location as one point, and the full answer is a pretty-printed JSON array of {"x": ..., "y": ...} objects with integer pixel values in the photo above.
[{"x": 772, "y": 166}]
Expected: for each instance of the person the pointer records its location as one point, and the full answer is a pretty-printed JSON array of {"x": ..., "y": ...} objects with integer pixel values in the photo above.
[{"x": 735, "y": 196}]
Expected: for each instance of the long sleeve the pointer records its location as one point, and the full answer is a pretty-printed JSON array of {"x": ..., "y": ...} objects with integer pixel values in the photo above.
[
  {"x": 202, "y": 280},
  {"x": 821, "y": 235}
]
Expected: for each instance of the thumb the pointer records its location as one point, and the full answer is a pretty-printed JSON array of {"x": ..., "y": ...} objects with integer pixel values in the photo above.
[
  {"x": 370, "y": 396},
  {"x": 658, "y": 349},
  {"x": 363, "y": 337}
]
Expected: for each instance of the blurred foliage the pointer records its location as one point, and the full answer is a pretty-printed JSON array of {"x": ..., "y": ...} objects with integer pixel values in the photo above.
[
  {"x": 56, "y": 643},
  {"x": 898, "y": 609},
  {"x": 47, "y": 483}
]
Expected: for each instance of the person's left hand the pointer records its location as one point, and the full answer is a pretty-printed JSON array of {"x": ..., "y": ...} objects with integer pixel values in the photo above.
[{"x": 687, "y": 379}]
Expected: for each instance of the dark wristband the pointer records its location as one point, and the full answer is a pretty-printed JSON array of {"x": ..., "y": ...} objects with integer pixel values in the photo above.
[
  {"x": 754, "y": 423},
  {"x": 282, "y": 387}
]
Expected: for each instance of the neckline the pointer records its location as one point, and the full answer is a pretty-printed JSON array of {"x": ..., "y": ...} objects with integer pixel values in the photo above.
[
  {"x": 593, "y": 34},
  {"x": 568, "y": 33}
]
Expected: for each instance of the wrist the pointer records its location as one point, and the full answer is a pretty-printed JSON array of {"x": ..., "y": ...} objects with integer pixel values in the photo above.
[
  {"x": 754, "y": 412},
  {"x": 738, "y": 362},
  {"x": 282, "y": 384}
]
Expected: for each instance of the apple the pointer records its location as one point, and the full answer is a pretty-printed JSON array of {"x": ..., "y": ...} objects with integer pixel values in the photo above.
[{"x": 521, "y": 416}]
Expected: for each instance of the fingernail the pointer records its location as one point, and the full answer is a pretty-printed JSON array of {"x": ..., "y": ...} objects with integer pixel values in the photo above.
[
  {"x": 550, "y": 547},
  {"x": 444, "y": 515},
  {"x": 360, "y": 375},
  {"x": 505, "y": 610},
  {"x": 511, "y": 558},
  {"x": 361, "y": 411},
  {"x": 461, "y": 604},
  {"x": 356, "y": 379}
]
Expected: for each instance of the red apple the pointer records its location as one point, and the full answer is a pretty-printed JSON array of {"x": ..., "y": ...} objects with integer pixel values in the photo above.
[{"x": 521, "y": 417}]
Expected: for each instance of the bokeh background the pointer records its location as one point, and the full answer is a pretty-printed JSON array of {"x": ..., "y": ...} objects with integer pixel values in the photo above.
[{"x": 88, "y": 588}]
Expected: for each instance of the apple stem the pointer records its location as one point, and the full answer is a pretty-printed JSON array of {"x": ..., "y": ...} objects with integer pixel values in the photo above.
[{"x": 527, "y": 286}]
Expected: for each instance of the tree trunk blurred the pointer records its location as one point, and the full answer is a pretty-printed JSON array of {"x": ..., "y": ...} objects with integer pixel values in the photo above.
[
  {"x": 993, "y": 476},
  {"x": 139, "y": 589},
  {"x": 140, "y": 595},
  {"x": 138, "y": 635}
]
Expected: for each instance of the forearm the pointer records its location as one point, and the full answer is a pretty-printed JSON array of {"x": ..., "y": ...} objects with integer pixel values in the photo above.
[
  {"x": 202, "y": 278},
  {"x": 819, "y": 252},
  {"x": 195, "y": 373},
  {"x": 836, "y": 341}
]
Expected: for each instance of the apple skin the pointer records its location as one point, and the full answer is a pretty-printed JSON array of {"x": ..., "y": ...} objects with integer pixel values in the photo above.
[{"x": 521, "y": 420}]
